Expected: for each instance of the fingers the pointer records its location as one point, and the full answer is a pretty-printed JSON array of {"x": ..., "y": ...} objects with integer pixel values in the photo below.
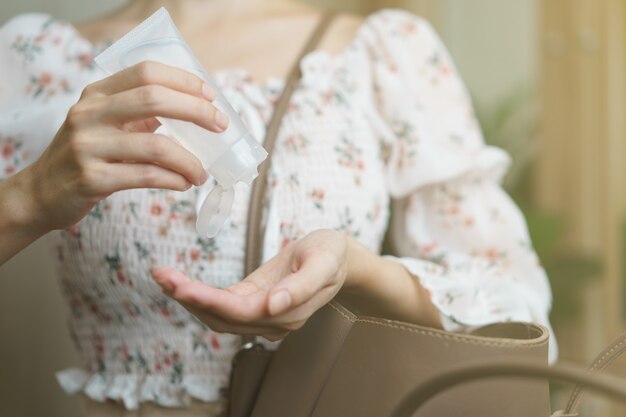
[
  {"x": 147, "y": 125},
  {"x": 150, "y": 72},
  {"x": 220, "y": 325},
  {"x": 156, "y": 100},
  {"x": 152, "y": 148},
  {"x": 225, "y": 312},
  {"x": 126, "y": 176},
  {"x": 300, "y": 314},
  {"x": 199, "y": 295},
  {"x": 202, "y": 301},
  {"x": 153, "y": 89},
  {"x": 300, "y": 286}
]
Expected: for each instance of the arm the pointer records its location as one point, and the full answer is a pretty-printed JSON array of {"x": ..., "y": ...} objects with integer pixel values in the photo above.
[
  {"x": 107, "y": 144},
  {"x": 282, "y": 294},
  {"x": 381, "y": 287},
  {"x": 17, "y": 225},
  {"x": 453, "y": 225}
]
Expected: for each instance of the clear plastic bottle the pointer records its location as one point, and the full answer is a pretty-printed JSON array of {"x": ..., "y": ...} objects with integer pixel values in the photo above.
[{"x": 231, "y": 156}]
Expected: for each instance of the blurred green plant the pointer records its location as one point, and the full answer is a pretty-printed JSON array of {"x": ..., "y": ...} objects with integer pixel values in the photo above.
[{"x": 512, "y": 124}]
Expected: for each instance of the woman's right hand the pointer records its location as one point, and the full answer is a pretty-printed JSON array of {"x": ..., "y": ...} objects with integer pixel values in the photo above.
[{"x": 107, "y": 144}]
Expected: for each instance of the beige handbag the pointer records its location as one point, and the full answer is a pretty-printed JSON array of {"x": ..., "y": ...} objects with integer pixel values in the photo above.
[
  {"x": 585, "y": 379},
  {"x": 343, "y": 364}
]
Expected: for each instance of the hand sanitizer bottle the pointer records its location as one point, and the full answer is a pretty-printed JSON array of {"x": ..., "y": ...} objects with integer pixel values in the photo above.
[{"x": 231, "y": 156}]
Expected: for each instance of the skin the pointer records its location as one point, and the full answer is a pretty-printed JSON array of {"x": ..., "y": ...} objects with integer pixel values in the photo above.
[{"x": 107, "y": 144}]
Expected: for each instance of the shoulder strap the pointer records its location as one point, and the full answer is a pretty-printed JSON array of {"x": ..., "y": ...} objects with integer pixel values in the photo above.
[{"x": 254, "y": 235}]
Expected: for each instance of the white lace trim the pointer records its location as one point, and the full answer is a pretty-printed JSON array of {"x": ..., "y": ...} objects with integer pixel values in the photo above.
[{"x": 133, "y": 389}]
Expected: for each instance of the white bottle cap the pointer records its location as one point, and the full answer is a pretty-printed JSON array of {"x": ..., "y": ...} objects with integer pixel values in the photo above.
[
  {"x": 214, "y": 211},
  {"x": 239, "y": 162}
]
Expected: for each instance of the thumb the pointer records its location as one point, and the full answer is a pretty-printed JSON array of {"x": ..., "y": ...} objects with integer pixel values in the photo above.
[{"x": 299, "y": 287}]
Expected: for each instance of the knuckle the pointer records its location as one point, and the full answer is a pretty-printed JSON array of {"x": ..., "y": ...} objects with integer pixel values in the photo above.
[
  {"x": 159, "y": 147},
  {"x": 150, "y": 95},
  {"x": 147, "y": 71},
  {"x": 87, "y": 179},
  {"x": 186, "y": 81},
  {"x": 149, "y": 176},
  {"x": 78, "y": 145},
  {"x": 76, "y": 115},
  {"x": 193, "y": 83},
  {"x": 89, "y": 90}
]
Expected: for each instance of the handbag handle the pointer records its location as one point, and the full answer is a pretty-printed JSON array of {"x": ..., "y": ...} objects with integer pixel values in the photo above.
[
  {"x": 254, "y": 232},
  {"x": 607, "y": 384},
  {"x": 614, "y": 350}
]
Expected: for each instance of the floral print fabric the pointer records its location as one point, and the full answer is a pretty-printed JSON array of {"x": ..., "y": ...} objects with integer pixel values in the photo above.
[{"x": 385, "y": 127}]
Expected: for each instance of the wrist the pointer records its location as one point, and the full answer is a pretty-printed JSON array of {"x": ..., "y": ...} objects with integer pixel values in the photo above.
[
  {"x": 357, "y": 256},
  {"x": 18, "y": 205},
  {"x": 383, "y": 287},
  {"x": 363, "y": 272},
  {"x": 365, "y": 269}
]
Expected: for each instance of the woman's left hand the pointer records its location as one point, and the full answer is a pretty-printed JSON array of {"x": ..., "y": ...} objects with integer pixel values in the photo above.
[{"x": 275, "y": 299}]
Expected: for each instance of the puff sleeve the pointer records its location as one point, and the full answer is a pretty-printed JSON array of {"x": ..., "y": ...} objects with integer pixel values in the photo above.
[
  {"x": 453, "y": 227},
  {"x": 44, "y": 65}
]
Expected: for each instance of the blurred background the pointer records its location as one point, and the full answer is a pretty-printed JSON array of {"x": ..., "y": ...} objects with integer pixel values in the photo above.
[{"x": 548, "y": 78}]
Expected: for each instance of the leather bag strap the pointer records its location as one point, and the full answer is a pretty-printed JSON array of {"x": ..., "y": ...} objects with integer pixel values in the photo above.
[
  {"x": 254, "y": 232},
  {"x": 607, "y": 384},
  {"x": 613, "y": 351}
]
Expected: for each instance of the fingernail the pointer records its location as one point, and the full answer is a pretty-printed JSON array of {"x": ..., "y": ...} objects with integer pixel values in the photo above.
[
  {"x": 221, "y": 120},
  {"x": 163, "y": 282},
  {"x": 167, "y": 288},
  {"x": 279, "y": 302},
  {"x": 154, "y": 272},
  {"x": 203, "y": 177},
  {"x": 208, "y": 92}
]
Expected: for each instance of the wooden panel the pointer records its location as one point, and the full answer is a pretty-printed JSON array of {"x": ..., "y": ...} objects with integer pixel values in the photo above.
[
  {"x": 614, "y": 169},
  {"x": 582, "y": 117},
  {"x": 591, "y": 106},
  {"x": 558, "y": 93},
  {"x": 581, "y": 171},
  {"x": 615, "y": 173}
]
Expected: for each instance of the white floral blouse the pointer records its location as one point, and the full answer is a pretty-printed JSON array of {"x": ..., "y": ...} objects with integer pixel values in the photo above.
[{"x": 387, "y": 123}]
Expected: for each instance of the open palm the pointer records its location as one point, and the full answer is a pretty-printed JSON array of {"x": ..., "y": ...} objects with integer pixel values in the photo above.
[{"x": 276, "y": 298}]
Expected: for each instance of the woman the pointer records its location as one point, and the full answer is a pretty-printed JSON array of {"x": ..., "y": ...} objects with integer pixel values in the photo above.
[{"x": 381, "y": 119}]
